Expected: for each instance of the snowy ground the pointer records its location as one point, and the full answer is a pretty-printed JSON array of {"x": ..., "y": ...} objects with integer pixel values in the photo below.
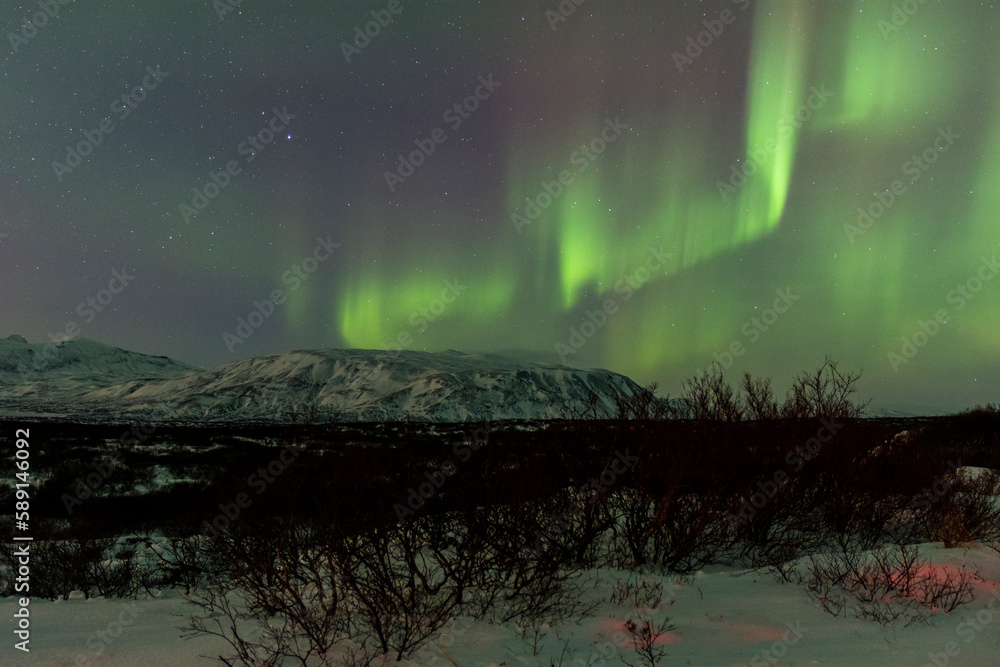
[{"x": 720, "y": 619}]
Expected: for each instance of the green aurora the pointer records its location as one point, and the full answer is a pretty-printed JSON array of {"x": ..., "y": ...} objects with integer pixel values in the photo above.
[{"x": 602, "y": 207}]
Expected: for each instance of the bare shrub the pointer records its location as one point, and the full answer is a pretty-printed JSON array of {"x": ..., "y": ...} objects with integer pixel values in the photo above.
[
  {"x": 185, "y": 562},
  {"x": 689, "y": 531},
  {"x": 95, "y": 566},
  {"x": 774, "y": 540},
  {"x": 782, "y": 530},
  {"x": 948, "y": 528},
  {"x": 63, "y": 566},
  {"x": 532, "y": 589},
  {"x": 584, "y": 523},
  {"x": 122, "y": 571},
  {"x": 642, "y": 405},
  {"x": 866, "y": 518},
  {"x": 400, "y": 594},
  {"x": 646, "y": 634},
  {"x": 946, "y": 592},
  {"x": 643, "y": 595},
  {"x": 295, "y": 592},
  {"x": 679, "y": 533},
  {"x": 824, "y": 584},
  {"x": 709, "y": 396},
  {"x": 278, "y": 600},
  {"x": 836, "y": 577},
  {"x": 887, "y": 583},
  {"x": 632, "y": 510},
  {"x": 498, "y": 567},
  {"x": 824, "y": 393},
  {"x": 969, "y": 510},
  {"x": 779, "y": 555},
  {"x": 758, "y": 399}
]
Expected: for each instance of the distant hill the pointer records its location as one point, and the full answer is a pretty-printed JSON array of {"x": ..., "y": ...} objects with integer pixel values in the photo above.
[
  {"x": 86, "y": 380},
  {"x": 81, "y": 359},
  {"x": 906, "y": 411}
]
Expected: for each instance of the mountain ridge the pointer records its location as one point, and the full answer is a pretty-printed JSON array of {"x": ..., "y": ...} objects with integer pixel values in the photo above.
[{"x": 87, "y": 379}]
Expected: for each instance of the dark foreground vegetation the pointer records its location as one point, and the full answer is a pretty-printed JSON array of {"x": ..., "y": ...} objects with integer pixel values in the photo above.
[{"x": 296, "y": 541}]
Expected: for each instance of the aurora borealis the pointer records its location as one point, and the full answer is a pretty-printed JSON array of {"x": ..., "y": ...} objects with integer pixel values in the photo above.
[{"x": 634, "y": 190}]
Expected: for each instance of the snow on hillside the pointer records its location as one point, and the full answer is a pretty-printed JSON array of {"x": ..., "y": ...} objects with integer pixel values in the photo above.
[
  {"x": 81, "y": 359},
  {"x": 86, "y": 378},
  {"x": 721, "y": 617}
]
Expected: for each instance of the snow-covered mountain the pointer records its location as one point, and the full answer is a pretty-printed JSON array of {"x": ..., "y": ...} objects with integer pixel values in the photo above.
[
  {"x": 909, "y": 411},
  {"x": 87, "y": 380},
  {"x": 81, "y": 358}
]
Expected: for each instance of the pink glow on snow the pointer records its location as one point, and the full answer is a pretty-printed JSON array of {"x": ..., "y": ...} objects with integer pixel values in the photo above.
[
  {"x": 612, "y": 627},
  {"x": 754, "y": 634}
]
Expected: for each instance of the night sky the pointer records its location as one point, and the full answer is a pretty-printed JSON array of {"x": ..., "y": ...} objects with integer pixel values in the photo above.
[{"x": 644, "y": 187}]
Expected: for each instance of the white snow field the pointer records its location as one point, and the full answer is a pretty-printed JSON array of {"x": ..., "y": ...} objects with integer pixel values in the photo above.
[{"x": 720, "y": 617}]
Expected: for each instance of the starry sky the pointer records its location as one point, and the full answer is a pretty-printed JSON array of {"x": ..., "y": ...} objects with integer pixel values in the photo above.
[{"x": 647, "y": 187}]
